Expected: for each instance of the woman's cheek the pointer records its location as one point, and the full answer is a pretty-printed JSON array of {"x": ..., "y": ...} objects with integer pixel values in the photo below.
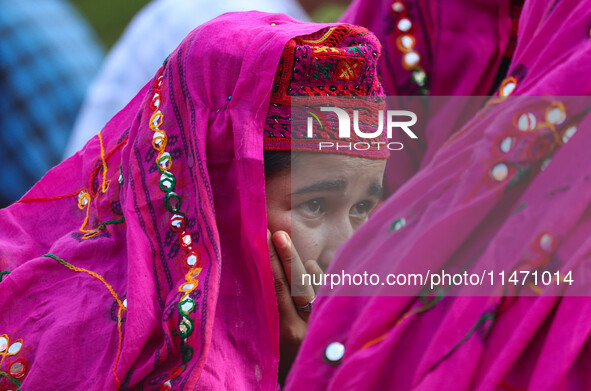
[
  {"x": 306, "y": 239},
  {"x": 279, "y": 220}
]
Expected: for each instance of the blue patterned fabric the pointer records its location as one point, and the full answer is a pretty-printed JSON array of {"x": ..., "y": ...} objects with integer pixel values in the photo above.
[{"x": 48, "y": 56}]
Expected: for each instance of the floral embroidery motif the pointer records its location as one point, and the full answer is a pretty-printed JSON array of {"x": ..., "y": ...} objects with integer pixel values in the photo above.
[
  {"x": 85, "y": 197},
  {"x": 348, "y": 70},
  {"x": 172, "y": 203},
  {"x": 11, "y": 370}
]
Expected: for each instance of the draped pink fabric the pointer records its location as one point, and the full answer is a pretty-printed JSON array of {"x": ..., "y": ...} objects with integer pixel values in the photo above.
[
  {"x": 455, "y": 209},
  {"x": 461, "y": 45},
  {"x": 142, "y": 261}
]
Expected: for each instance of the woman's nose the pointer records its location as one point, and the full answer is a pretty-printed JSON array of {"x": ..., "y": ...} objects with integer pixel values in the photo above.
[{"x": 337, "y": 234}]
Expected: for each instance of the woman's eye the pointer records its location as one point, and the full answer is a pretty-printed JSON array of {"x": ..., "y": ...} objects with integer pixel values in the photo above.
[
  {"x": 362, "y": 209},
  {"x": 314, "y": 207}
]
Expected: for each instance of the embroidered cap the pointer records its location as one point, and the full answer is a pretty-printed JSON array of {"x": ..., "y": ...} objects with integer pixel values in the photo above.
[{"x": 334, "y": 67}]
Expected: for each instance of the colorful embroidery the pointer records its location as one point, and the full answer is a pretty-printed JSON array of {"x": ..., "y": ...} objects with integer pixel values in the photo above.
[
  {"x": 122, "y": 307},
  {"x": 507, "y": 87},
  {"x": 84, "y": 201},
  {"x": 321, "y": 39},
  {"x": 304, "y": 65},
  {"x": 348, "y": 70},
  {"x": 172, "y": 203},
  {"x": 105, "y": 184},
  {"x": 336, "y": 62},
  {"x": 528, "y": 147},
  {"x": 85, "y": 197},
  {"x": 323, "y": 70},
  {"x": 11, "y": 371},
  {"x": 406, "y": 42},
  {"x": 325, "y": 49}
]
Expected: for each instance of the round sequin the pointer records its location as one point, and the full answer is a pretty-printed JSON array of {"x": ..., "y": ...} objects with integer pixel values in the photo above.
[
  {"x": 15, "y": 348},
  {"x": 191, "y": 259},
  {"x": 407, "y": 42},
  {"x": 508, "y": 86},
  {"x": 125, "y": 303},
  {"x": 499, "y": 172},
  {"x": 556, "y": 114},
  {"x": 398, "y": 224},
  {"x": 3, "y": 344},
  {"x": 411, "y": 59},
  {"x": 177, "y": 222},
  {"x": 333, "y": 354},
  {"x": 18, "y": 369},
  {"x": 156, "y": 120},
  {"x": 187, "y": 306},
  {"x": 167, "y": 181},
  {"x": 172, "y": 202},
  {"x": 185, "y": 327},
  {"x": 185, "y": 240},
  {"x": 506, "y": 144},
  {"x": 158, "y": 140},
  {"x": 398, "y": 7},
  {"x": 83, "y": 199},
  {"x": 419, "y": 76},
  {"x": 547, "y": 243},
  {"x": 404, "y": 25},
  {"x": 526, "y": 122},
  {"x": 165, "y": 161},
  {"x": 156, "y": 101},
  {"x": 568, "y": 133}
]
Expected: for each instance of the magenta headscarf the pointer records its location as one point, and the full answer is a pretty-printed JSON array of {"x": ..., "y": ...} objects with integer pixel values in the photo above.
[
  {"x": 459, "y": 207},
  {"x": 142, "y": 261}
]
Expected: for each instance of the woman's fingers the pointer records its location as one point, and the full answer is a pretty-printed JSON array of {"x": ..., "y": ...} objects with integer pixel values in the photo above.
[
  {"x": 292, "y": 327},
  {"x": 285, "y": 303},
  {"x": 315, "y": 272},
  {"x": 294, "y": 270}
]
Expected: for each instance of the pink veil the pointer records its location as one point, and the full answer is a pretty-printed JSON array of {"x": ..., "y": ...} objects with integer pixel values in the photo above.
[{"x": 142, "y": 261}]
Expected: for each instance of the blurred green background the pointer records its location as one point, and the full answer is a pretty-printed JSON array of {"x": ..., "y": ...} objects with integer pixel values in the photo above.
[{"x": 109, "y": 17}]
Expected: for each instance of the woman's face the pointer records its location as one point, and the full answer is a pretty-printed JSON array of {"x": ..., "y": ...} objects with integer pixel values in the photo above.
[{"x": 322, "y": 200}]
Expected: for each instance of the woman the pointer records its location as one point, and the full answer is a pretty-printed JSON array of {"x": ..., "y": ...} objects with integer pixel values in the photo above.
[
  {"x": 142, "y": 261},
  {"x": 507, "y": 193}
]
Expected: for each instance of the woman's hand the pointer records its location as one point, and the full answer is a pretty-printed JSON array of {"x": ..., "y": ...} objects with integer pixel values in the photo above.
[{"x": 293, "y": 321}]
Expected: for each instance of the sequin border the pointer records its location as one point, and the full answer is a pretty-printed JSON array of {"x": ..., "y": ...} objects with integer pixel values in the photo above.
[{"x": 172, "y": 203}]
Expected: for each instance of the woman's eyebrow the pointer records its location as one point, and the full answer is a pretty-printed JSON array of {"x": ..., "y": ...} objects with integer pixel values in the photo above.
[
  {"x": 375, "y": 189},
  {"x": 334, "y": 185}
]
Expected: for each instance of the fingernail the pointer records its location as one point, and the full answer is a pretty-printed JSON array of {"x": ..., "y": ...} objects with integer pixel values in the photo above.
[
  {"x": 268, "y": 234},
  {"x": 284, "y": 239}
]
